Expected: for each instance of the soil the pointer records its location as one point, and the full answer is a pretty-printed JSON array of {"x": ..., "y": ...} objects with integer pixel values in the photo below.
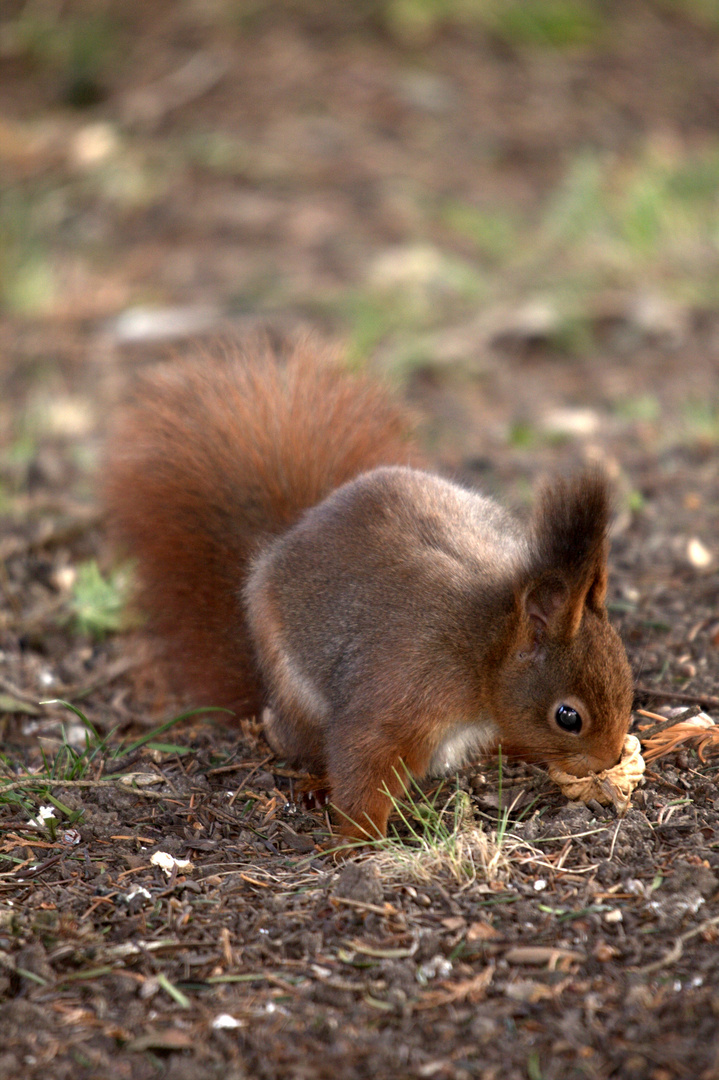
[{"x": 593, "y": 950}]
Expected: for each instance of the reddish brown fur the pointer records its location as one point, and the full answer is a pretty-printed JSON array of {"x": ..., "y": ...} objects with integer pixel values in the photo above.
[{"x": 209, "y": 460}]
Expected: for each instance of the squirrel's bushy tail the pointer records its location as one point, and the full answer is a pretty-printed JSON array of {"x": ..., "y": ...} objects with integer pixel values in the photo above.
[{"x": 212, "y": 457}]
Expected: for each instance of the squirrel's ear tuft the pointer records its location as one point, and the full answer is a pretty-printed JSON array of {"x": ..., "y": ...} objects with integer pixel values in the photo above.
[
  {"x": 570, "y": 526},
  {"x": 568, "y": 560}
]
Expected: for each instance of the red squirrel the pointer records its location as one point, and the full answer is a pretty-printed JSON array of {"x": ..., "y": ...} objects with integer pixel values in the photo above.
[{"x": 294, "y": 558}]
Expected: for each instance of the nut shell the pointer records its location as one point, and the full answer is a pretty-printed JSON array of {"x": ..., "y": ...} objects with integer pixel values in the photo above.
[{"x": 612, "y": 786}]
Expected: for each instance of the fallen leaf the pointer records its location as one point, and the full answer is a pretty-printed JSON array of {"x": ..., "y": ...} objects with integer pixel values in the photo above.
[
  {"x": 454, "y": 922},
  {"x": 471, "y": 990}
]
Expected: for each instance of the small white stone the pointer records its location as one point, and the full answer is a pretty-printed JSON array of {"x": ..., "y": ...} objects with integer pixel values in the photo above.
[
  {"x": 540, "y": 885},
  {"x": 158, "y": 324},
  {"x": 698, "y": 555},
  {"x": 225, "y": 1022},
  {"x": 93, "y": 144},
  {"x": 64, "y": 578},
  {"x": 572, "y": 422},
  {"x": 44, "y": 814},
  {"x": 438, "y": 967},
  {"x": 67, "y": 416},
  {"x": 140, "y": 890},
  {"x": 168, "y": 863}
]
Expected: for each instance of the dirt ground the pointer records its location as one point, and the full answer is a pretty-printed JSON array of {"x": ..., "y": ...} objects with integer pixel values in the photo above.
[{"x": 210, "y": 175}]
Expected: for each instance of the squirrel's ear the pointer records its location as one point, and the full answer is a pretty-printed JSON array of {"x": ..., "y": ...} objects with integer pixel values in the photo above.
[
  {"x": 568, "y": 560},
  {"x": 544, "y": 604}
]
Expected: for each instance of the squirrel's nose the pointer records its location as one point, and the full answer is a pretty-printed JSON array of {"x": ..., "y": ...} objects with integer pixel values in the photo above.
[{"x": 583, "y": 764}]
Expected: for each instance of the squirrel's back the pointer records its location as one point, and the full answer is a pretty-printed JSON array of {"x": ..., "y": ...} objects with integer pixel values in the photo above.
[{"x": 211, "y": 458}]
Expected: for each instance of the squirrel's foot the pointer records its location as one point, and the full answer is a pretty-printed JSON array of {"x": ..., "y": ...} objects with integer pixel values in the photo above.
[{"x": 313, "y": 792}]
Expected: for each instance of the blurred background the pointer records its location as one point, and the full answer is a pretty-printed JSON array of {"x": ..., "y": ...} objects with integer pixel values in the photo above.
[
  {"x": 509, "y": 207},
  {"x": 451, "y": 186}
]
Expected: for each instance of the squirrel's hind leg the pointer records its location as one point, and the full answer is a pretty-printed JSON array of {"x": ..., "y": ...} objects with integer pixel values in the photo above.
[
  {"x": 294, "y": 723},
  {"x": 296, "y": 740}
]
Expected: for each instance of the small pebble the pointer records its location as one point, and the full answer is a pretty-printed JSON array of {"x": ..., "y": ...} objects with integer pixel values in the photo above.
[{"x": 225, "y": 1022}]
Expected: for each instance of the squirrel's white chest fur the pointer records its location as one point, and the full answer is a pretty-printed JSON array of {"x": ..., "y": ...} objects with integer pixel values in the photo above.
[{"x": 461, "y": 743}]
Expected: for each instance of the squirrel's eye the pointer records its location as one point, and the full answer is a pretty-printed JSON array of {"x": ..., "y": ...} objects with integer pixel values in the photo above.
[{"x": 568, "y": 719}]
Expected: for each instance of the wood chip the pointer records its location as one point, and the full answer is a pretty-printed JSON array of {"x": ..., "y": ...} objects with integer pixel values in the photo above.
[
  {"x": 482, "y": 931},
  {"x": 539, "y": 955}
]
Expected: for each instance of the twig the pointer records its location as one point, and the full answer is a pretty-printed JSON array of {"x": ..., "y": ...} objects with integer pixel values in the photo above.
[
  {"x": 657, "y": 779},
  {"x": 231, "y": 768},
  {"x": 249, "y": 775},
  {"x": 614, "y": 840},
  {"x": 195, "y": 78},
  {"x": 50, "y": 782},
  {"x": 75, "y": 690},
  {"x": 27, "y": 875},
  {"x": 708, "y": 701},
  {"x": 16, "y": 692},
  {"x": 107, "y": 675},
  {"x": 360, "y": 905},
  {"x": 51, "y": 533},
  {"x": 646, "y": 733},
  {"x": 677, "y": 948}
]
